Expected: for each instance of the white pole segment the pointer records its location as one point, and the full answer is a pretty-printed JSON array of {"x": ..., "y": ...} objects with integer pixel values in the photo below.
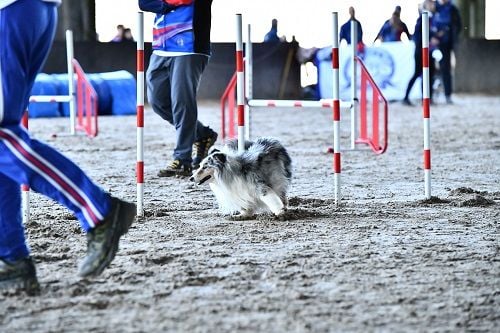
[
  {"x": 354, "y": 97},
  {"x": 71, "y": 82}
]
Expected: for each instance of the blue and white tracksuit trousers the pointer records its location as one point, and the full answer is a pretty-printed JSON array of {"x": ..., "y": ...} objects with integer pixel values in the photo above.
[{"x": 27, "y": 29}]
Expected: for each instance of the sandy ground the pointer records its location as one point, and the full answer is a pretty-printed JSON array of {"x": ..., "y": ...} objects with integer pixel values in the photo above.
[{"x": 385, "y": 260}]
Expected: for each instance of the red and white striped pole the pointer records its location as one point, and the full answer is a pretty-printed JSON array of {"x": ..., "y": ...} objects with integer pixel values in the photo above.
[
  {"x": 426, "y": 104},
  {"x": 336, "y": 108},
  {"x": 140, "y": 114},
  {"x": 25, "y": 188},
  {"x": 240, "y": 85}
]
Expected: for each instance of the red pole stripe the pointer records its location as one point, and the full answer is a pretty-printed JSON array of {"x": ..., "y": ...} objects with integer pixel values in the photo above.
[
  {"x": 336, "y": 110},
  {"x": 427, "y": 159},
  {"x": 241, "y": 115},
  {"x": 25, "y": 188},
  {"x": 336, "y": 162},
  {"x": 239, "y": 61},
  {"x": 140, "y": 115},
  {"x": 427, "y": 107},
  {"x": 335, "y": 58},
  {"x": 425, "y": 57},
  {"x": 140, "y": 172},
  {"x": 140, "y": 60},
  {"x": 25, "y": 119}
]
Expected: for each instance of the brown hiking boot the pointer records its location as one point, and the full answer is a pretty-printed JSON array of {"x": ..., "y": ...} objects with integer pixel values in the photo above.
[
  {"x": 176, "y": 169},
  {"x": 201, "y": 148}
]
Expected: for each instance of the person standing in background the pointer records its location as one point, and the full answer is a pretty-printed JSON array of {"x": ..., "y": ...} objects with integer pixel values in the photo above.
[
  {"x": 345, "y": 29},
  {"x": 120, "y": 29},
  {"x": 272, "y": 35},
  {"x": 181, "y": 50},
  {"x": 24, "y": 46},
  {"x": 393, "y": 28},
  {"x": 430, "y": 6},
  {"x": 449, "y": 25}
]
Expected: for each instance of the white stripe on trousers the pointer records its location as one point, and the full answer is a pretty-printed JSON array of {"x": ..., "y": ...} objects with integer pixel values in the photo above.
[{"x": 52, "y": 181}]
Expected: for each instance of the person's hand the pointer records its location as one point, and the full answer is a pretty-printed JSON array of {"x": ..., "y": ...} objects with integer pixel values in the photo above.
[
  {"x": 434, "y": 41},
  {"x": 179, "y": 2}
]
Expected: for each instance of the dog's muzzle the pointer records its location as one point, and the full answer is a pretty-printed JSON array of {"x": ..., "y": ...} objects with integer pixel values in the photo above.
[{"x": 202, "y": 180}]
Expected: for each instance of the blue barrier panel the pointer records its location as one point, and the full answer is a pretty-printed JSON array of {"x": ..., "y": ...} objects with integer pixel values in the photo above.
[
  {"x": 61, "y": 82},
  {"x": 44, "y": 85},
  {"x": 123, "y": 92},
  {"x": 103, "y": 91}
]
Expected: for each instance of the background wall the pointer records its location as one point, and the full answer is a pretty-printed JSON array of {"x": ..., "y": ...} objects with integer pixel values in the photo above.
[
  {"x": 276, "y": 71},
  {"x": 478, "y": 66}
]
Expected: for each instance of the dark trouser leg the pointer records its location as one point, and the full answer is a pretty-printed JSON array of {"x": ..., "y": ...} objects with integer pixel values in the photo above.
[
  {"x": 185, "y": 79},
  {"x": 445, "y": 67},
  {"x": 416, "y": 73}
]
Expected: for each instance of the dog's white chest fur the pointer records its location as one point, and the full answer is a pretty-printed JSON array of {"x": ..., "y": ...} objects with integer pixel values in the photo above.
[{"x": 237, "y": 196}]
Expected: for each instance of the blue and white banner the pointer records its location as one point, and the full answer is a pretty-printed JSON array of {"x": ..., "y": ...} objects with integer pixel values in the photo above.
[{"x": 391, "y": 65}]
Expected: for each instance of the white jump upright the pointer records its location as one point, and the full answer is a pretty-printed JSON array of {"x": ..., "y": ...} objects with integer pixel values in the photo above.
[
  {"x": 354, "y": 97},
  {"x": 426, "y": 104},
  {"x": 71, "y": 97},
  {"x": 248, "y": 82},
  {"x": 71, "y": 82},
  {"x": 25, "y": 188},
  {"x": 140, "y": 114},
  {"x": 240, "y": 84},
  {"x": 336, "y": 109}
]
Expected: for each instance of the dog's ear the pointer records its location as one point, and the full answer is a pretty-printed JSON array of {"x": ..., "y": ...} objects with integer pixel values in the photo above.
[
  {"x": 218, "y": 158},
  {"x": 213, "y": 150}
]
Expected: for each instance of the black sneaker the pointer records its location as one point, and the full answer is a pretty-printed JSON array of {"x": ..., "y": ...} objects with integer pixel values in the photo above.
[
  {"x": 201, "y": 148},
  {"x": 102, "y": 241},
  {"x": 176, "y": 168},
  {"x": 19, "y": 275},
  {"x": 406, "y": 101}
]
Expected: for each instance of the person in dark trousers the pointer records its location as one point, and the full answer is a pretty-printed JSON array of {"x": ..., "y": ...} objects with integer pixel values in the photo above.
[
  {"x": 345, "y": 29},
  {"x": 272, "y": 35},
  {"x": 428, "y": 5},
  {"x": 449, "y": 25},
  {"x": 181, "y": 50},
  {"x": 24, "y": 46}
]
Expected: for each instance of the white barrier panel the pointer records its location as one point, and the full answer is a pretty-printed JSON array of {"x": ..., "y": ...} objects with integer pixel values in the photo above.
[{"x": 391, "y": 65}]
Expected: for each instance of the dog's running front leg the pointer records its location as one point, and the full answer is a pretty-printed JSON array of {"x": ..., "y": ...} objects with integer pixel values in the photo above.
[
  {"x": 273, "y": 201},
  {"x": 243, "y": 214}
]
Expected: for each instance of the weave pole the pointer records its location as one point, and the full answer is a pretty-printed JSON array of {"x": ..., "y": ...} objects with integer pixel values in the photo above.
[
  {"x": 426, "y": 104},
  {"x": 336, "y": 109},
  {"x": 248, "y": 82},
  {"x": 140, "y": 114},
  {"x": 240, "y": 85},
  {"x": 71, "y": 82},
  {"x": 354, "y": 97},
  {"x": 25, "y": 189}
]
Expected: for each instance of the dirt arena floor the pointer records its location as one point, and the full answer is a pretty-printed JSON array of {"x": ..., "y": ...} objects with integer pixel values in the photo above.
[{"x": 385, "y": 260}]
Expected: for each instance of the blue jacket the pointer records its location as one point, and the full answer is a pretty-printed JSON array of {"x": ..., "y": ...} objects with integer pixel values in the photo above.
[
  {"x": 180, "y": 28},
  {"x": 448, "y": 21},
  {"x": 345, "y": 32}
]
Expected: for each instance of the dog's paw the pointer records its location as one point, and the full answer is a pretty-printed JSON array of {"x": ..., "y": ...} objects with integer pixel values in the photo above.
[
  {"x": 241, "y": 217},
  {"x": 281, "y": 215}
]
